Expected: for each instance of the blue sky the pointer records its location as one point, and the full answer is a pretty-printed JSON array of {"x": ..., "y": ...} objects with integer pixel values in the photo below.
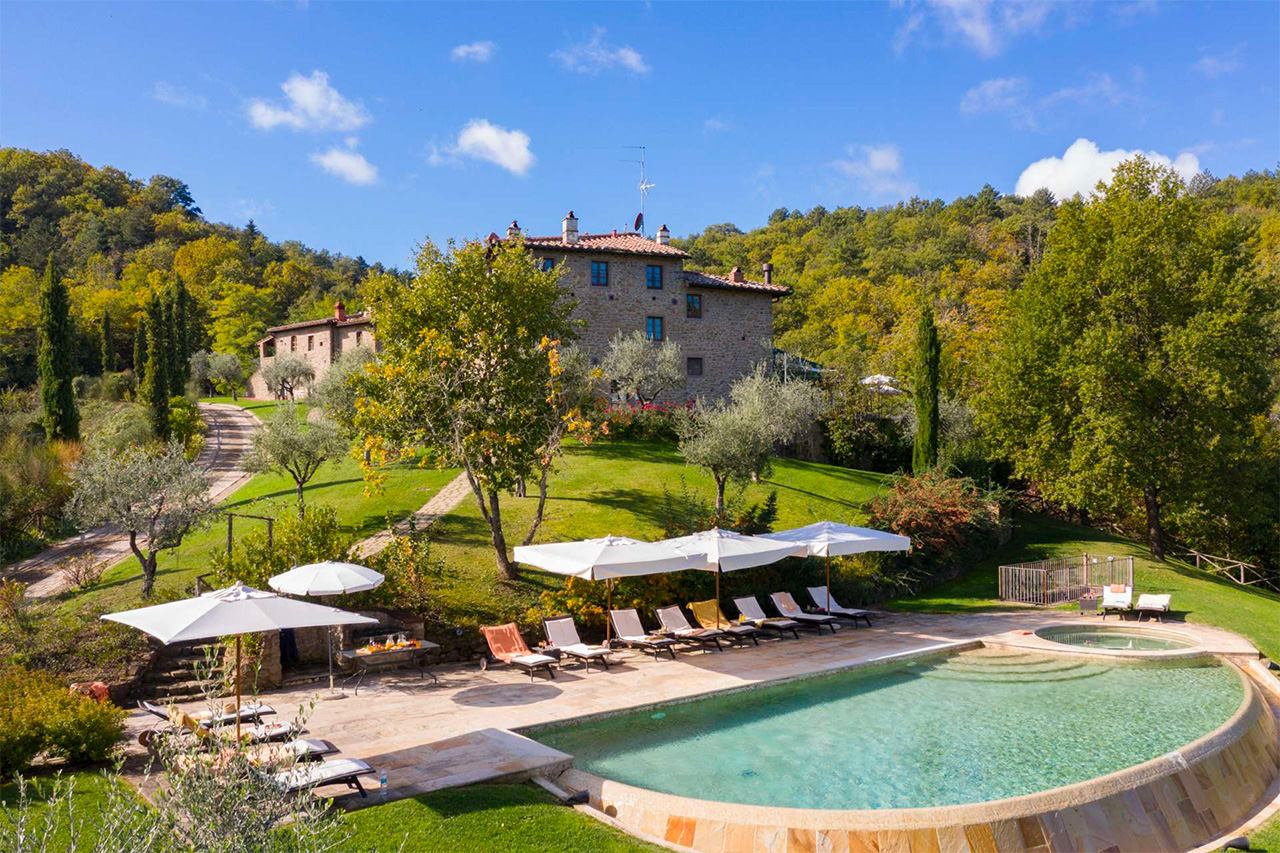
[{"x": 362, "y": 128}]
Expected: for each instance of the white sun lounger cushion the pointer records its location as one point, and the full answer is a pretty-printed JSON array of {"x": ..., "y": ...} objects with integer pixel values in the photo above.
[
  {"x": 750, "y": 608},
  {"x": 586, "y": 651},
  {"x": 1122, "y": 600},
  {"x": 787, "y": 607},
  {"x": 1149, "y": 601},
  {"x": 532, "y": 660},
  {"x": 312, "y": 773}
]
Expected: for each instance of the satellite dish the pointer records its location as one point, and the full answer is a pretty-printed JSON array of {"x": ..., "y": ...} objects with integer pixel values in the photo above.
[{"x": 639, "y": 222}]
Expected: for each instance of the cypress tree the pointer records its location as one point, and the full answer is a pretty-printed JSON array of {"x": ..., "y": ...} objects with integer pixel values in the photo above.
[
  {"x": 173, "y": 343},
  {"x": 140, "y": 353},
  {"x": 54, "y": 360},
  {"x": 108, "y": 358},
  {"x": 158, "y": 368},
  {"x": 925, "y": 391},
  {"x": 182, "y": 330}
]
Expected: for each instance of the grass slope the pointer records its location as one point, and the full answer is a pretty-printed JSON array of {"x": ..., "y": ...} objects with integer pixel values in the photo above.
[
  {"x": 338, "y": 484},
  {"x": 1201, "y": 597},
  {"x": 615, "y": 487},
  {"x": 511, "y": 818}
]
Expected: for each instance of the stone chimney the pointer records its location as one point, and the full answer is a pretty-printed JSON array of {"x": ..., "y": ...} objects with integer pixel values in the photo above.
[
  {"x": 663, "y": 236},
  {"x": 513, "y": 230},
  {"x": 735, "y": 274},
  {"x": 569, "y": 229},
  {"x": 339, "y": 311},
  {"x": 768, "y": 273}
]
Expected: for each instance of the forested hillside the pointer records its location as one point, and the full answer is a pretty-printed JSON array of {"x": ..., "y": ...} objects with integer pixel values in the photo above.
[
  {"x": 116, "y": 239},
  {"x": 1124, "y": 367}
]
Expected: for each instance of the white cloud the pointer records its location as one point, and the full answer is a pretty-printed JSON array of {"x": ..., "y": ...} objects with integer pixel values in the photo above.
[
  {"x": 877, "y": 170},
  {"x": 251, "y": 208},
  {"x": 1098, "y": 88},
  {"x": 177, "y": 96},
  {"x": 1000, "y": 95},
  {"x": 311, "y": 104},
  {"x": 477, "y": 51},
  {"x": 481, "y": 140},
  {"x": 347, "y": 163},
  {"x": 1218, "y": 66},
  {"x": 985, "y": 26},
  {"x": 595, "y": 55},
  {"x": 1011, "y": 96},
  {"x": 717, "y": 125},
  {"x": 1082, "y": 166}
]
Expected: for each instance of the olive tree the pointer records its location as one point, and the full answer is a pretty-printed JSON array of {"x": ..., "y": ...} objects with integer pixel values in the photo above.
[
  {"x": 643, "y": 369},
  {"x": 286, "y": 375},
  {"x": 468, "y": 349},
  {"x": 226, "y": 372},
  {"x": 336, "y": 392},
  {"x": 155, "y": 494},
  {"x": 288, "y": 444}
]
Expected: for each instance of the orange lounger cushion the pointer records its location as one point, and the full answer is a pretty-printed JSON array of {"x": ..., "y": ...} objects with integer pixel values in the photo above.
[{"x": 505, "y": 641}]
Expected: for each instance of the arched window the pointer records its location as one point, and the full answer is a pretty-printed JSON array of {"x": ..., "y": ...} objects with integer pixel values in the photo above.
[{"x": 293, "y": 343}]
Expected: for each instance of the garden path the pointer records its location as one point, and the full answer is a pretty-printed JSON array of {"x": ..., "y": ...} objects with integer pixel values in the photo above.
[
  {"x": 441, "y": 502},
  {"x": 230, "y": 436}
]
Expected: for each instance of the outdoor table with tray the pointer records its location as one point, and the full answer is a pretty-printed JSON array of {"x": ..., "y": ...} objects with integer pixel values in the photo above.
[{"x": 387, "y": 655}]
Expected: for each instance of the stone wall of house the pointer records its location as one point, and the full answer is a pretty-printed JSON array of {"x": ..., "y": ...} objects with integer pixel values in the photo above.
[
  {"x": 734, "y": 332},
  {"x": 317, "y": 345}
]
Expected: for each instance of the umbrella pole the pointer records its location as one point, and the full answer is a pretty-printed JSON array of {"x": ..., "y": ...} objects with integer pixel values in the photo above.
[
  {"x": 237, "y": 689},
  {"x": 828, "y": 583},
  {"x": 329, "y": 631},
  {"x": 608, "y": 597},
  {"x": 717, "y": 596}
]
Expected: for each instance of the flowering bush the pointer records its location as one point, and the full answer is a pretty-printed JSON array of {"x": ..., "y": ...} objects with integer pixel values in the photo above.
[
  {"x": 652, "y": 421},
  {"x": 952, "y": 524}
]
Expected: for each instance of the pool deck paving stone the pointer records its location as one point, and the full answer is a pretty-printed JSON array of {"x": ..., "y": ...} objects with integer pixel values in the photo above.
[{"x": 459, "y": 732}]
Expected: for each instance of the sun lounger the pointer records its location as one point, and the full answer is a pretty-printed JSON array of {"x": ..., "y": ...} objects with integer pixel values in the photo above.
[
  {"x": 313, "y": 774},
  {"x": 629, "y": 632},
  {"x": 674, "y": 623},
  {"x": 1153, "y": 604},
  {"x": 750, "y": 609},
  {"x": 563, "y": 634},
  {"x": 1117, "y": 597},
  {"x": 506, "y": 645},
  {"x": 709, "y": 615},
  {"x": 250, "y": 712},
  {"x": 826, "y": 602},
  {"x": 787, "y": 607}
]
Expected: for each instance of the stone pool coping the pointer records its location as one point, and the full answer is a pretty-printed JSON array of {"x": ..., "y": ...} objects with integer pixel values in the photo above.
[{"x": 1177, "y": 800}]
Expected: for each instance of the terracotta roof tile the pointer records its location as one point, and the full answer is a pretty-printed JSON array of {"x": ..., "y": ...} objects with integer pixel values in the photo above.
[
  {"x": 625, "y": 242},
  {"x": 702, "y": 279},
  {"x": 352, "y": 320}
]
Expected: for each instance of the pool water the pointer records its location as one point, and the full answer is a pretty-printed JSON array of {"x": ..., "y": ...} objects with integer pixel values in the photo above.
[
  {"x": 968, "y": 728},
  {"x": 1098, "y": 637}
]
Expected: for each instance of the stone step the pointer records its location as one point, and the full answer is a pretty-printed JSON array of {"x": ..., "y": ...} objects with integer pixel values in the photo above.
[{"x": 1011, "y": 678}]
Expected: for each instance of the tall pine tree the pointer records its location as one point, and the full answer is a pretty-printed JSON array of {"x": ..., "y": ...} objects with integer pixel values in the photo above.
[
  {"x": 157, "y": 384},
  {"x": 140, "y": 355},
  {"x": 54, "y": 360},
  {"x": 108, "y": 357},
  {"x": 925, "y": 390}
]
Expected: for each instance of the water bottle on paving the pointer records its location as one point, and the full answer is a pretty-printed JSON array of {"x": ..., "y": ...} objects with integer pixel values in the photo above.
[{"x": 383, "y": 784}]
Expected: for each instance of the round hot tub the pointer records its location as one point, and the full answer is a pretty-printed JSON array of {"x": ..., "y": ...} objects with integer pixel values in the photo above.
[{"x": 1117, "y": 639}]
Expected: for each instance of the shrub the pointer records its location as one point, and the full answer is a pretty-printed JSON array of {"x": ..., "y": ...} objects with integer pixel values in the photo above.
[
  {"x": 951, "y": 522},
  {"x": 652, "y": 421},
  {"x": 412, "y": 573},
  {"x": 312, "y": 538},
  {"x": 186, "y": 425},
  {"x": 34, "y": 488},
  {"x": 118, "y": 387},
  {"x": 82, "y": 571},
  {"x": 128, "y": 426},
  {"x": 38, "y": 714}
]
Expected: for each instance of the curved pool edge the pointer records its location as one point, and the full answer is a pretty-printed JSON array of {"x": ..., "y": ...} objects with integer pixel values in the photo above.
[{"x": 1175, "y": 801}]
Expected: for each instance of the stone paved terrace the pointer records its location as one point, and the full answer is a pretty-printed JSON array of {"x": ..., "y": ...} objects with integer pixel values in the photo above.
[{"x": 439, "y": 736}]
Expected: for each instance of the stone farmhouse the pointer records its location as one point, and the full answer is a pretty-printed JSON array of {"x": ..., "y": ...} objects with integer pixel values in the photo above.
[
  {"x": 621, "y": 281},
  {"x": 318, "y": 342},
  {"x": 624, "y": 281}
]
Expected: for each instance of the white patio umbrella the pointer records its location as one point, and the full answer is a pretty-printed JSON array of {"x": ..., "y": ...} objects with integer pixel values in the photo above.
[
  {"x": 237, "y": 610},
  {"x": 606, "y": 559},
  {"x": 327, "y": 578},
  {"x": 727, "y": 551},
  {"x": 832, "y": 539}
]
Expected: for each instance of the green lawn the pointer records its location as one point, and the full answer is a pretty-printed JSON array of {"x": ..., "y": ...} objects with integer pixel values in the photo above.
[
  {"x": 90, "y": 796},
  {"x": 261, "y": 408},
  {"x": 1202, "y": 597},
  {"x": 615, "y": 487},
  {"x": 338, "y": 484},
  {"x": 510, "y": 818}
]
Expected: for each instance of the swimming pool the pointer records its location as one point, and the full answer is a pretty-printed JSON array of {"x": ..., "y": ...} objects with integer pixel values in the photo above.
[
  {"x": 1116, "y": 639},
  {"x": 972, "y": 727}
]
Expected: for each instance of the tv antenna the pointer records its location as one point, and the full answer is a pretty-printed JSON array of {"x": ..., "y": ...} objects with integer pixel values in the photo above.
[{"x": 644, "y": 186}]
